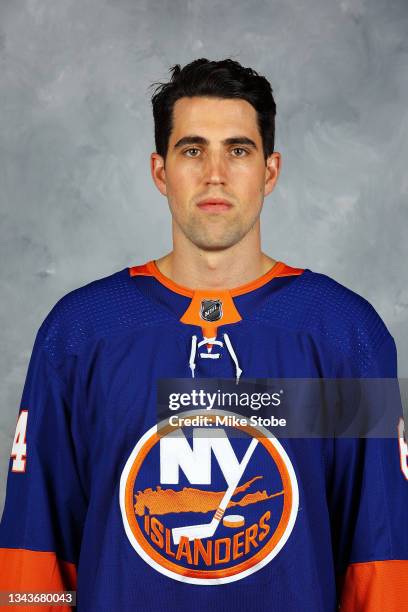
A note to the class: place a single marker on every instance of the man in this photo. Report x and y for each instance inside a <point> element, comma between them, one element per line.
<point>101,500</point>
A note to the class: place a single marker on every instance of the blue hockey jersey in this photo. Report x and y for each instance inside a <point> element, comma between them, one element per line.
<point>100,501</point>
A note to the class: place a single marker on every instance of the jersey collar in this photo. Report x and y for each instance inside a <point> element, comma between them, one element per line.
<point>150,268</point>
<point>209,309</point>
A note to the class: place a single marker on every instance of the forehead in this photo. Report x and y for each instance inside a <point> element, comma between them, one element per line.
<point>214,117</point>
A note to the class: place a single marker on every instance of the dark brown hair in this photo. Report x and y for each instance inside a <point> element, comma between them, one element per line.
<point>218,79</point>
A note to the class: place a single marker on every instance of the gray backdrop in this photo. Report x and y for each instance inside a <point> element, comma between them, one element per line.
<point>76,131</point>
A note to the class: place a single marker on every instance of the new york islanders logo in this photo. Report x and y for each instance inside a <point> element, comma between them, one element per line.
<point>208,507</point>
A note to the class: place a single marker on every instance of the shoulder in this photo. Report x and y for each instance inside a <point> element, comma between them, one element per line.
<point>335,301</point>
<point>105,306</point>
<point>320,306</point>
<point>332,305</point>
<point>350,324</point>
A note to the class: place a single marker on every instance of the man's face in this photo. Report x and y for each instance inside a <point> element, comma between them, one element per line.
<point>215,151</point>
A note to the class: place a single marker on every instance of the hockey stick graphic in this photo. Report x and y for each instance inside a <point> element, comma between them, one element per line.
<point>207,530</point>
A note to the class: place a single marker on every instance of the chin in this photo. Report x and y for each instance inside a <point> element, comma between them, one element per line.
<point>214,245</point>
<point>208,240</point>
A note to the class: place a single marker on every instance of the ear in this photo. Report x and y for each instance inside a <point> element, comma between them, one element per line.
<point>158,172</point>
<point>272,170</point>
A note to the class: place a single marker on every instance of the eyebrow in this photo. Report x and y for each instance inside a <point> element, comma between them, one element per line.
<point>233,140</point>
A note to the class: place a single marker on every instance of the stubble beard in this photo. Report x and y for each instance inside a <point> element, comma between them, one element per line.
<point>214,234</point>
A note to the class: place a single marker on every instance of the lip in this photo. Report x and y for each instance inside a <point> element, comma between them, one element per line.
<point>214,204</point>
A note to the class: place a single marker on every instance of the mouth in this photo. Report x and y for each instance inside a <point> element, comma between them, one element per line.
<point>214,205</point>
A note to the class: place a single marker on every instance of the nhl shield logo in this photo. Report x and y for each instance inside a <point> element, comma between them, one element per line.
<point>208,510</point>
<point>211,310</point>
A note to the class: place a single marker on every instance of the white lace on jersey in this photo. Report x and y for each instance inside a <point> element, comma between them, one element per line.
<point>209,355</point>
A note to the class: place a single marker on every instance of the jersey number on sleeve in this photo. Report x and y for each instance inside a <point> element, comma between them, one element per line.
<point>19,449</point>
<point>403,446</point>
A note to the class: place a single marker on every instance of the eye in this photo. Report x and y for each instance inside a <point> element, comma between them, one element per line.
<point>191,149</point>
<point>240,149</point>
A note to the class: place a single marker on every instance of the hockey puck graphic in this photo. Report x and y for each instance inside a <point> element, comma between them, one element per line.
<point>233,520</point>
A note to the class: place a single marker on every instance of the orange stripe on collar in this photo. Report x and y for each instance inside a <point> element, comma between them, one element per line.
<point>279,269</point>
<point>210,308</point>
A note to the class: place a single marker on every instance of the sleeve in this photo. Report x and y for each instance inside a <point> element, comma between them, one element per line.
<point>45,506</point>
<point>368,502</point>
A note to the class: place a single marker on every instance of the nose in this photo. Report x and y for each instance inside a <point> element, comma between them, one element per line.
<point>215,168</point>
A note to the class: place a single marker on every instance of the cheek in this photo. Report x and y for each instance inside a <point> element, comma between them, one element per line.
<point>181,178</point>
<point>249,174</point>
<point>250,183</point>
<point>180,191</point>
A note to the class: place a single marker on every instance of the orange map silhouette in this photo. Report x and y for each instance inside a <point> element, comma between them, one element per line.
<point>189,499</point>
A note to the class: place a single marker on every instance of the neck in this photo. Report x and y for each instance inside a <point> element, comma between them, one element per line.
<point>193,267</point>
